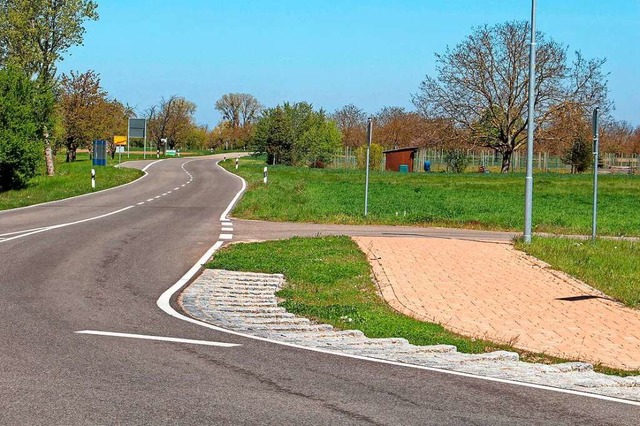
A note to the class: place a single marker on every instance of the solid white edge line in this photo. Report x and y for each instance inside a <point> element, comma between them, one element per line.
<point>144,170</point>
<point>164,304</point>
<point>223,216</point>
<point>158,338</point>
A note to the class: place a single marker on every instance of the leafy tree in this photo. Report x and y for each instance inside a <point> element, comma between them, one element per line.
<point>171,119</point>
<point>20,102</point>
<point>295,134</point>
<point>482,85</point>
<point>35,35</point>
<point>580,156</point>
<point>375,156</point>
<point>456,160</point>
<point>319,144</point>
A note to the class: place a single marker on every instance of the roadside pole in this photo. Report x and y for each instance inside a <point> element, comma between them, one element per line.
<point>528,190</point>
<point>366,184</point>
<point>596,143</point>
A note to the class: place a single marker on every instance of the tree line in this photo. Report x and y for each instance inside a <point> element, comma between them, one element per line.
<point>477,98</point>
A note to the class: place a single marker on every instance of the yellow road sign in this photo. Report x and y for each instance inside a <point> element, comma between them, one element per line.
<point>119,140</point>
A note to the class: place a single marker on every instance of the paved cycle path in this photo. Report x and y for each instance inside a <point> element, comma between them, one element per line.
<point>490,290</point>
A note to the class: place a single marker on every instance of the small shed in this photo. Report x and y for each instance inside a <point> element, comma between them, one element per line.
<point>394,158</point>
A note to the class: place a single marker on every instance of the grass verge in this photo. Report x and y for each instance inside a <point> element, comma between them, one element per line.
<point>329,281</point>
<point>70,179</point>
<point>562,203</point>
<point>611,266</point>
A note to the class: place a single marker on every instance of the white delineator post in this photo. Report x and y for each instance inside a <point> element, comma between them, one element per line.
<point>93,178</point>
<point>237,160</point>
<point>265,174</point>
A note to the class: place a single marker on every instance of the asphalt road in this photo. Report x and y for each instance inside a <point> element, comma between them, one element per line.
<point>107,274</point>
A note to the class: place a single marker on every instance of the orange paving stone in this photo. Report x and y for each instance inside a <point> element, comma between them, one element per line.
<point>492,291</point>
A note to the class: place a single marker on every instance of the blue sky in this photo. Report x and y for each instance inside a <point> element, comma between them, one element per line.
<point>330,53</point>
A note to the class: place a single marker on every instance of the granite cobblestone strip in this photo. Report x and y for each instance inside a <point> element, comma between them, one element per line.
<point>246,303</point>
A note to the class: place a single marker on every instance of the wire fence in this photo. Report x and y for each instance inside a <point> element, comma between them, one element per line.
<point>491,161</point>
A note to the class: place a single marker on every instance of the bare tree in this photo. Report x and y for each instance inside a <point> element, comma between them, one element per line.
<point>352,122</point>
<point>482,85</point>
<point>397,128</point>
<point>239,113</point>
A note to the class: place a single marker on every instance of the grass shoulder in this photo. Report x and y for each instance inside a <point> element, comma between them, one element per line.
<point>562,203</point>
<point>70,179</point>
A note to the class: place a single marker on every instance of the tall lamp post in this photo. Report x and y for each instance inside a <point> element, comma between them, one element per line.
<point>528,193</point>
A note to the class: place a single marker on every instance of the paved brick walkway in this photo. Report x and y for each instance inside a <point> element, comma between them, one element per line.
<point>490,290</point>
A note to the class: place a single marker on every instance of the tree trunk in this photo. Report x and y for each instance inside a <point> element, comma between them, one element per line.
<point>48,155</point>
<point>506,162</point>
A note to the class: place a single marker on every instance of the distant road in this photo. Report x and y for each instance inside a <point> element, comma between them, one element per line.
<point>101,262</point>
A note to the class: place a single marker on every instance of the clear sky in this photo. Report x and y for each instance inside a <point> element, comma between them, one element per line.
<point>331,53</point>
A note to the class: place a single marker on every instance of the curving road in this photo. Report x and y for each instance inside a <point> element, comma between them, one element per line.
<point>101,262</point>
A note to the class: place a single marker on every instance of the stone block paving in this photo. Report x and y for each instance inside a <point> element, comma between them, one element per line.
<point>492,291</point>
<point>246,303</point>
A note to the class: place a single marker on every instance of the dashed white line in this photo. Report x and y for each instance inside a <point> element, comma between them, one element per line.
<point>176,188</point>
<point>140,203</point>
<point>150,199</point>
<point>226,236</point>
<point>227,229</point>
<point>159,338</point>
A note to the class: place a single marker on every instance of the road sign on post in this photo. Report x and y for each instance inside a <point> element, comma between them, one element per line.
<point>138,129</point>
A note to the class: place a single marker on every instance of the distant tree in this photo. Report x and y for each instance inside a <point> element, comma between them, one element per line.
<point>352,122</point>
<point>80,99</point>
<point>397,128</point>
<point>295,134</point>
<point>376,153</point>
<point>482,84</point>
<point>35,35</point>
<point>171,119</point>
<point>20,101</point>
<point>618,137</point>
<point>239,112</point>
<point>579,156</point>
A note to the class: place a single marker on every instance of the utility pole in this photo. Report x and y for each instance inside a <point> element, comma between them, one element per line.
<point>596,140</point>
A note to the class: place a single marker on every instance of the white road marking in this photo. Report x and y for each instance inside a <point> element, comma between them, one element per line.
<point>150,164</point>
<point>140,203</point>
<point>150,199</point>
<point>21,232</point>
<point>226,236</point>
<point>159,338</point>
<point>156,197</point>
<point>164,194</point>
<point>227,229</point>
<point>63,225</point>
<point>176,188</point>
<point>163,303</point>
<point>183,185</point>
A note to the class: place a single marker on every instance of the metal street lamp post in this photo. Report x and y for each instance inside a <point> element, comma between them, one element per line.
<point>528,197</point>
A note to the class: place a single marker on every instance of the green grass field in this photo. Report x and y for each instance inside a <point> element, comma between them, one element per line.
<point>562,202</point>
<point>70,179</point>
